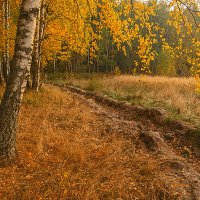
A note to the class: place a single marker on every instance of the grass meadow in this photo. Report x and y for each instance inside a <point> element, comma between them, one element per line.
<point>177,96</point>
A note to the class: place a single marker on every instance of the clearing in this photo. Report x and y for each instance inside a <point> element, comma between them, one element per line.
<point>176,96</point>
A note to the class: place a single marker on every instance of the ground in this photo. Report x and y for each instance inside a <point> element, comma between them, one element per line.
<point>77,145</point>
<point>177,96</point>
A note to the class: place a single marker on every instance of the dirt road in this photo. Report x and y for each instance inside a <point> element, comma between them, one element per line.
<point>164,145</point>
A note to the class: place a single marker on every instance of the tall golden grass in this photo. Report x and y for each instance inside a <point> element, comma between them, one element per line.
<point>176,95</point>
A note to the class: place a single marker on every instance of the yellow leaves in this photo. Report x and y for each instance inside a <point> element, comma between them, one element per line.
<point>12,28</point>
<point>136,63</point>
<point>111,19</point>
<point>77,26</point>
<point>124,50</point>
<point>70,28</point>
<point>186,43</point>
<point>172,3</point>
<point>67,29</point>
<point>145,52</point>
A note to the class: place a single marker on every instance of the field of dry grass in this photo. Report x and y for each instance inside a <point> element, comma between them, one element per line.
<point>66,151</point>
<point>175,95</point>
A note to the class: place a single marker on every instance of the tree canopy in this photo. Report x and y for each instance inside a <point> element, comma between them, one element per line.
<point>135,36</point>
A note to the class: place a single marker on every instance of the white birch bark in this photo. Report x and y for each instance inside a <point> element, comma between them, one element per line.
<point>39,36</point>
<point>10,105</point>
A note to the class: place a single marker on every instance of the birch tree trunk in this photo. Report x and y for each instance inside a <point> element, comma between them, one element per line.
<point>1,72</point>
<point>7,39</point>
<point>35,59</point>
<point>39,35</point>
<point>10,105</point>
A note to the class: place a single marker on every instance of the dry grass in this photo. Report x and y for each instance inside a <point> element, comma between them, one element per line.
<point>65,152</point>
<point>176,95</point>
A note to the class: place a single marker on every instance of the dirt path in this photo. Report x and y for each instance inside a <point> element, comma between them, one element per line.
<point>166,144</point>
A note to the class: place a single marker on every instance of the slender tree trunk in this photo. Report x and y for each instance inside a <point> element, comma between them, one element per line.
<point>88,61</point>
<point>107,56</point>
<point>35,58</point>
<point>7,39</point>
<point>29,82</point>
<point>39,35</point>
<point>54,66</point>
<point>43,15</point>
<point>1,72</point>
<point>10,105</point>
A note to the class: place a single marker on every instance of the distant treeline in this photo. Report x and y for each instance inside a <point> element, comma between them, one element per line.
<point>175,47</point>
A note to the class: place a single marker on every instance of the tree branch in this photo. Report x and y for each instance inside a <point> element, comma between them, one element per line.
<point>191,11</point>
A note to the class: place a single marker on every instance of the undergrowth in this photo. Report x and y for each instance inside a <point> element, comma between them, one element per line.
<point>66,152</point>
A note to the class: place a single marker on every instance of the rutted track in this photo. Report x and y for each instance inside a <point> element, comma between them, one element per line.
<point>149,131</point>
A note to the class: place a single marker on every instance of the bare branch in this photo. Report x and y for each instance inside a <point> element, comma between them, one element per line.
<point>191,11</point>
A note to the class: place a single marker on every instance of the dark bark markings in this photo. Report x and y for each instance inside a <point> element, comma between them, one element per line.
<point>10,104</point>
<point>39,36</point>
<point>6,58</point>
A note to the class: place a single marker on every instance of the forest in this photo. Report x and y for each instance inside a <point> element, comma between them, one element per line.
<point>99,99</point>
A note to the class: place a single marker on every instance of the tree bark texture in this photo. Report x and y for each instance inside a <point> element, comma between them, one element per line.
<point>1,72</point>
<point>10,105</point>
<point>39,35</point>
<point>7,39</point>
<point>35,59</point>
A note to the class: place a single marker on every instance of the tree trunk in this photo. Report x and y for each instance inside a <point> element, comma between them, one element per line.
<point>88,61</point>
<point>15,87</point>
<point>54,66</point>
<point>35,58</point>
<point>7,39</point>
<point>39,35</point>
<point>1,73</point>
<point>43,15</point>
